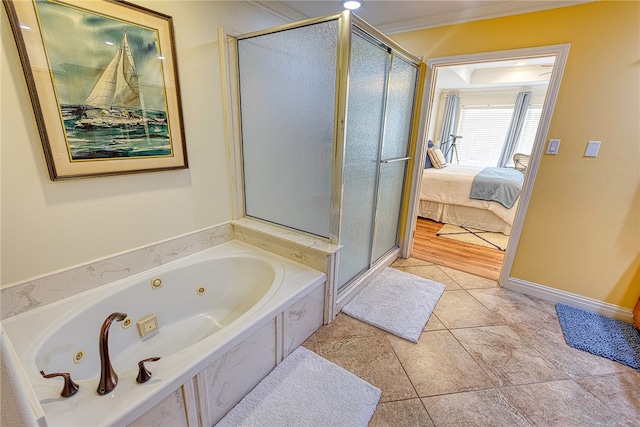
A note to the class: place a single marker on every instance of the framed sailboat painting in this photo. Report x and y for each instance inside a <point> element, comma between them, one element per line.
<point>103,83</point>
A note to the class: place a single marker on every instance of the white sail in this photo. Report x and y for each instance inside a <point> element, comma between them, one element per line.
<point>118,85</point>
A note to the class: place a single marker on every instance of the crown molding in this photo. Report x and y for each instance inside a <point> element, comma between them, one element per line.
<point>475,14</point>
<point>279,10</point>
<point>498,10</point>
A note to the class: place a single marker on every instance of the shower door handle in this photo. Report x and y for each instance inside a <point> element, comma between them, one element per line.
<point>397,159</point>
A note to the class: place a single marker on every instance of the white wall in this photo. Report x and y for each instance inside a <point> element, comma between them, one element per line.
<point>47,226</point>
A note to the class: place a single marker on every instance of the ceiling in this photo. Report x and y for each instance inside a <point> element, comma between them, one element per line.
<point>497,74</point>
<point>391,16</point>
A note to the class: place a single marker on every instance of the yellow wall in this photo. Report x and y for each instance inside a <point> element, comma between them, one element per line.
<point>582,229</point>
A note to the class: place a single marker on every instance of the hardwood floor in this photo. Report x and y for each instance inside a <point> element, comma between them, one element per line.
<point>465,257</point>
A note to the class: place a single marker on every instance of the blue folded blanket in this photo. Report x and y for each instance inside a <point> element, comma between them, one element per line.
<point>500,185</point>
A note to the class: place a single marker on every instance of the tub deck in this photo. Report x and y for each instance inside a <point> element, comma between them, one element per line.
<point>130,400</point>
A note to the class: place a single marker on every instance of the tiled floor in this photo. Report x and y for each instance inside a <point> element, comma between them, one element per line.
<point>487,357</point>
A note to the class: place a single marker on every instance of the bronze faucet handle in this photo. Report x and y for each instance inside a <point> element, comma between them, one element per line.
<point>143,373</point>
<point>70,388</point>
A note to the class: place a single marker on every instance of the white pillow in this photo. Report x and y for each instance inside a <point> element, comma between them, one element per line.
<point>436,157</point>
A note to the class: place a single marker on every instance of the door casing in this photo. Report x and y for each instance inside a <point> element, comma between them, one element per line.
<point>561,52</point>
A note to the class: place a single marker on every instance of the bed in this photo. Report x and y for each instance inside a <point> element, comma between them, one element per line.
<point>445,197</point>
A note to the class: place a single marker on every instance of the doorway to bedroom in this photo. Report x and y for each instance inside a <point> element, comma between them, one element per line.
<point>471,258</point>
<point>487,122</point>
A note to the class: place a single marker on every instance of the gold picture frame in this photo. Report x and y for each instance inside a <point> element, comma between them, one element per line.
<point>103,80</point>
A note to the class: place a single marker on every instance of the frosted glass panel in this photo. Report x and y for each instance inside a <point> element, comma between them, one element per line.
<point>397,132</point>
<point>389,202</point>
<point>367,76</point>
<point>287,97</point>
<point>402,85</point>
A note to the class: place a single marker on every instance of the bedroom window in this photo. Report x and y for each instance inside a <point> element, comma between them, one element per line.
<point>484,129</point>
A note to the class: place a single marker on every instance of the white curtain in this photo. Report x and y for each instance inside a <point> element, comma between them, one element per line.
<point>515,128</point>
<point>449,122</point>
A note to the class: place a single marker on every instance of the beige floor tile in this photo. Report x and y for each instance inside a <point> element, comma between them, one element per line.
<point>467,280</point>
<point>508,358</point>
<point>549,340</point>
<point>620,393</point>
<point>344,327</point>
<point>402,413</point>
<point>488,356</point>
<point>432,272</point>
<point>410,262</point>
<point>438,364</point>
<point>473,408</point>
<point>458,309</point>
<point>373,360</point>
<point>434,324</point>
<point>311,343</point>
<point>514,307</point>
<point>561,404</point>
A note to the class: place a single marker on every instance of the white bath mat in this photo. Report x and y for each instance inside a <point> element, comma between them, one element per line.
<point>306,390</point>
<point>396,302</point>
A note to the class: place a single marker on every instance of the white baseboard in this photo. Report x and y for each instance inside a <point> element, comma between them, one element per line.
<point>563,297</point>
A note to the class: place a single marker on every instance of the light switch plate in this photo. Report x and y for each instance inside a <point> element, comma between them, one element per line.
<point>553,147</point>
<point>592,149</point>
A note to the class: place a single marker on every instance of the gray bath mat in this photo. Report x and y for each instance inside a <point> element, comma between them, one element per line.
<point>306,390</point>
<point>600,335</point>
<point>396,302</point>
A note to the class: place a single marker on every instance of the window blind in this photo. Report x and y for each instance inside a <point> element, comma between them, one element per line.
<point>483,130</point>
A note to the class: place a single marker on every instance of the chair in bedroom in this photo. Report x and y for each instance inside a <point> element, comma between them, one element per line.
<point>521,161</point>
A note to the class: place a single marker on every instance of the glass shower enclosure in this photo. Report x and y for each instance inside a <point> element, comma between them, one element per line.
<point>326,109</point>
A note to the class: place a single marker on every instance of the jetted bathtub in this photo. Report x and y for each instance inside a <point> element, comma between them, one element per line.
<point>192,312</point>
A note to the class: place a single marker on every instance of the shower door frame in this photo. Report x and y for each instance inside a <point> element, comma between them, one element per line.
<point>347,21</point>
<point>347,25</point>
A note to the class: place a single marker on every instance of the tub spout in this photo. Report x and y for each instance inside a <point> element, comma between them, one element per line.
<point>108,377</point>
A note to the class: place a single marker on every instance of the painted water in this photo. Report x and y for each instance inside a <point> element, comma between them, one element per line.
<point>115,132</point>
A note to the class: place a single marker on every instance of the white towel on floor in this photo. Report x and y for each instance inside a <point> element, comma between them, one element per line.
<point>15,409</point>
<point>306,390</point>
<point>397,302</point>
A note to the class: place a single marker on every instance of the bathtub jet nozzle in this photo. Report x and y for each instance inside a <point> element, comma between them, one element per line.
<point>108,377</point>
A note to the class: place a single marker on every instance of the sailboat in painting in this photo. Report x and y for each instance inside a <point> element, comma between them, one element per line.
<point>116,93</point>
<point>113,122</point>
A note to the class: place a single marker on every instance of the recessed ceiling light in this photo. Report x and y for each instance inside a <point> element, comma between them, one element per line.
<point>518,64</point>
<point>352,4</point>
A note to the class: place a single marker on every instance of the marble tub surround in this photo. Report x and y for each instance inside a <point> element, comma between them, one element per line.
<point>487,356</point>
<point>303,248</point>
<point>29,294</point>
<point>297,246</point>
<point>26,295</point>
